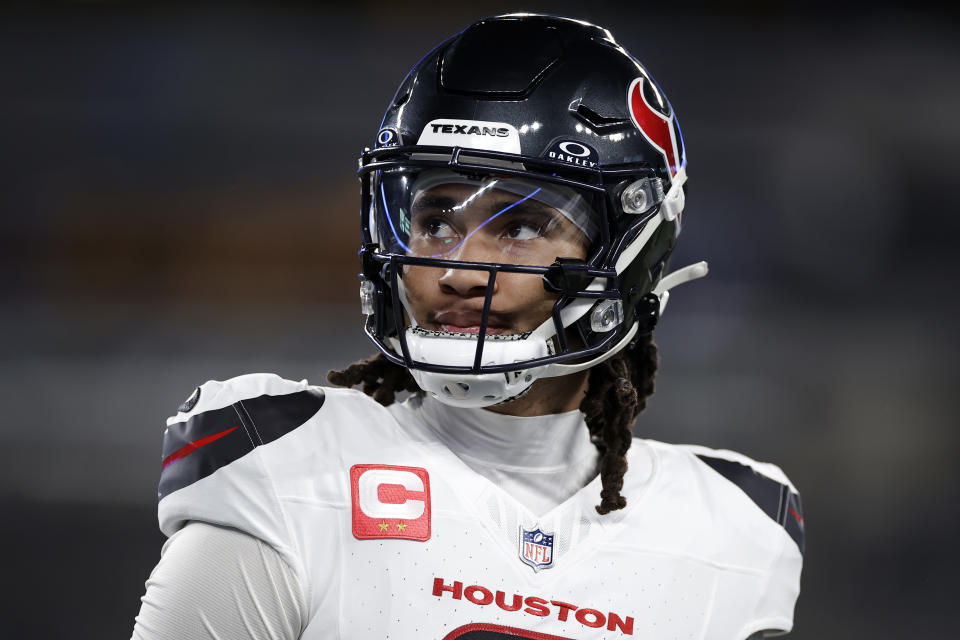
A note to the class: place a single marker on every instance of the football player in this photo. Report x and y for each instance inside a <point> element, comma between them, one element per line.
<point>519,207</point>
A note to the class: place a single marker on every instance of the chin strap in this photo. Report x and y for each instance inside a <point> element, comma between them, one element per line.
<point>558,369</point>
<point>680,276</point>
<point>674,200</point>
<point>662,291</point>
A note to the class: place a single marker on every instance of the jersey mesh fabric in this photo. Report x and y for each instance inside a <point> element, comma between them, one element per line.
<point>216,583</point>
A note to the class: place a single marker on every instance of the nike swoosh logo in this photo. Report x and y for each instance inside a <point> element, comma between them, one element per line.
<point>189,448</point>
<point>795,515</point>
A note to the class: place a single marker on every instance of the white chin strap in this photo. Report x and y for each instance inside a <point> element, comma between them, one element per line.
<point>484,390</point>
<point>674,200</point>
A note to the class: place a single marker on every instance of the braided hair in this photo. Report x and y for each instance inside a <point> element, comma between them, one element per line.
<point>616,394</point>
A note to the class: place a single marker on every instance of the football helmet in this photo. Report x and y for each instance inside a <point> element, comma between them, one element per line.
<point>526,146</point>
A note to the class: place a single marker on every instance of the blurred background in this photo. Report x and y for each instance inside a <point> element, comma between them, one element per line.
<point>179,204</point>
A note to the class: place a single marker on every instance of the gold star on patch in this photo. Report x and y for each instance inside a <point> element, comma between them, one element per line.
<point>401,526</point>
<point>383,526</point>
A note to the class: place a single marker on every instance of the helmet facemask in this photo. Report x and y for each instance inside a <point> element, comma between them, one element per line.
<point>483,274</point>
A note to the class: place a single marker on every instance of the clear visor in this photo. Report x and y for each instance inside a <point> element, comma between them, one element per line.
<point>439,213</point>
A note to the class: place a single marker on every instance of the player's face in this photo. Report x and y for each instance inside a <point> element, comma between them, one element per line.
<point>460,222</point>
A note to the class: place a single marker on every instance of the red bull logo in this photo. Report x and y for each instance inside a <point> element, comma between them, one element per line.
<point>659,129</point>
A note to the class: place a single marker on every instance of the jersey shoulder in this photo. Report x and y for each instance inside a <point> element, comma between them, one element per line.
<point>235,443</point>
<point>741,514</point>
<point>764,483</point>
<point>222,421</point>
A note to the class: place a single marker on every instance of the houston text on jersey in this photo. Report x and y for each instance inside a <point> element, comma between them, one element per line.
<point>534,606</point>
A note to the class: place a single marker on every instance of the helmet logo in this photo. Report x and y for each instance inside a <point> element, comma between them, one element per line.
<point>574,149</point>
<point>572,152</point>
<point>387,136</point>
<point>658,129</point>
<point>471,134</point>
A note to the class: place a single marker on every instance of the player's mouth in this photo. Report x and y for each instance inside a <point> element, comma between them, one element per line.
<point>475,328</point>
<point>468,322</point>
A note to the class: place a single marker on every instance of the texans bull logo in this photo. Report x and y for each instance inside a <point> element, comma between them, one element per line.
<point>660,130</point>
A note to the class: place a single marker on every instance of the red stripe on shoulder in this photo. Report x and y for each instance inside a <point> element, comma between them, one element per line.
<point>190,447</point>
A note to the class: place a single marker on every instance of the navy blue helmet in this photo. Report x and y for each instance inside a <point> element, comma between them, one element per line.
<point>528,149</point>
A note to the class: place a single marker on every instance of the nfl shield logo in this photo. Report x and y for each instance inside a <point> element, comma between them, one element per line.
<point>536,548</point>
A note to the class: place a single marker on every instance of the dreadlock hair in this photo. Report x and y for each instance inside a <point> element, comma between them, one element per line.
<point>381,378</point>
<point>617,392</point>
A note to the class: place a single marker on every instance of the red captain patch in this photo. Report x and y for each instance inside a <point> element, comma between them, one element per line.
<point>390,502</point>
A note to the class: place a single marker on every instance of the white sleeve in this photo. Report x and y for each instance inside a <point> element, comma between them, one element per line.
<point>217,583</point>
<point>774,613</point>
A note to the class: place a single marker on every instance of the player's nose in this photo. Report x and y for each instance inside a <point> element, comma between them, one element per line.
<point>469,282</point>
<point>466,282</point>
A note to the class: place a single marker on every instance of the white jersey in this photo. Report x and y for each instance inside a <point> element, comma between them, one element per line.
<point>389,534</point>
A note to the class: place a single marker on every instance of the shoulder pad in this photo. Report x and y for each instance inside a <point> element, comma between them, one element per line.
<point>223,421</point>
<point>764,483</point>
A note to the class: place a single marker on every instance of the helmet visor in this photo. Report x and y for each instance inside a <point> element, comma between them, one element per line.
<point>443,214</point>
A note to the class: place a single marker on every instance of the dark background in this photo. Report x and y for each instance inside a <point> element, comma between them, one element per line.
<point>179,204</point>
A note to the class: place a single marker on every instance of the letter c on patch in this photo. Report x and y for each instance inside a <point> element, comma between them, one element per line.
<point>368,494</point>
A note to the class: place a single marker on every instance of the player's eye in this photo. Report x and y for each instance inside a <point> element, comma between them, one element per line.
<point>528,224</point>
<point>523,231</point>
<point>438,228</point>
